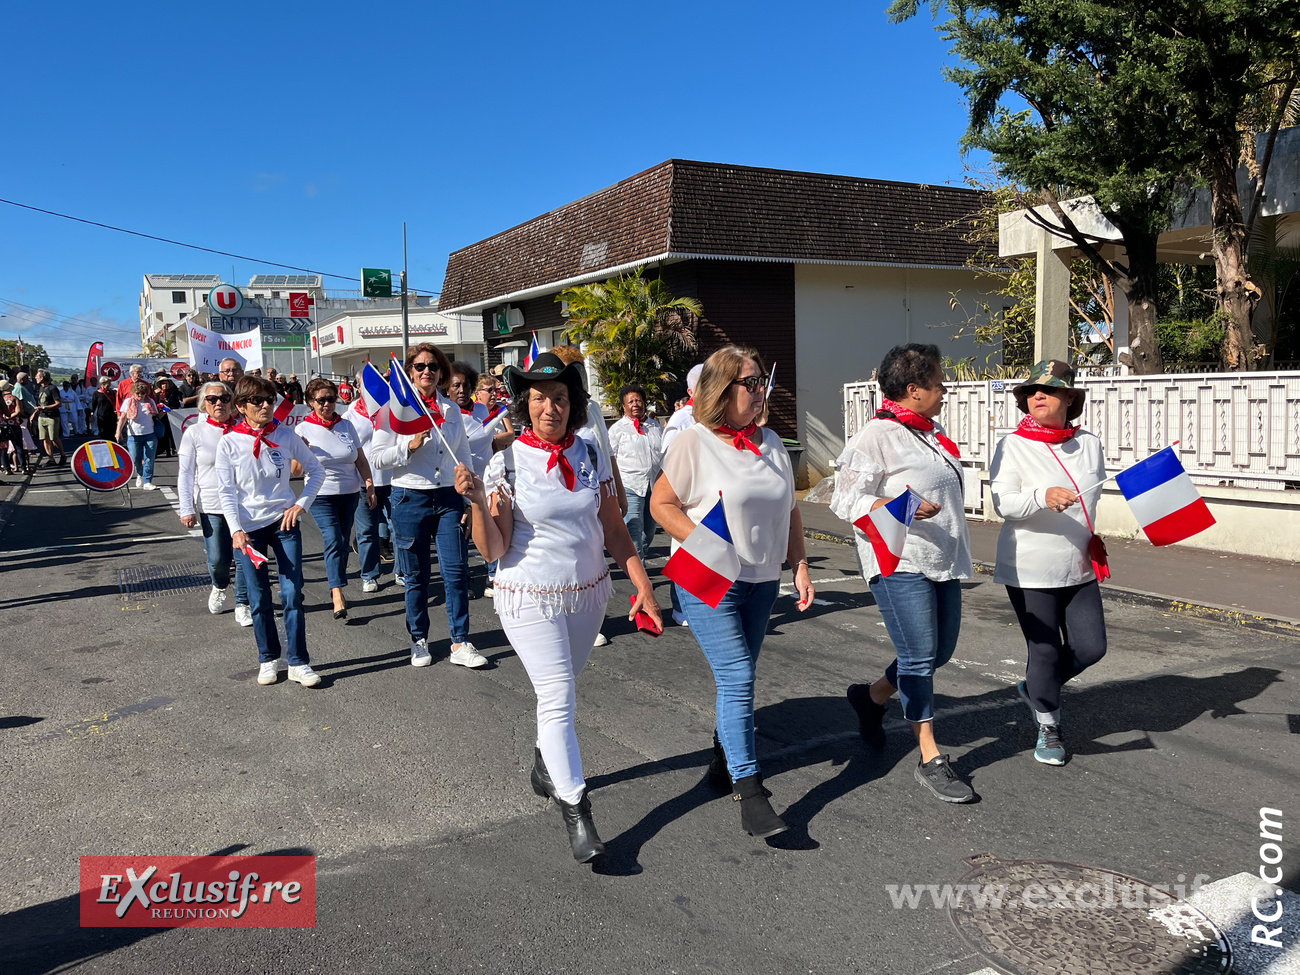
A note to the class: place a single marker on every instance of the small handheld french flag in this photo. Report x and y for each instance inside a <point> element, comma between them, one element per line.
<point>406,412</point>
<point>533,353</point>
<point>1163,498</point>
<point>375,394</point>
<point>706,563</point>
<point>887,526</point>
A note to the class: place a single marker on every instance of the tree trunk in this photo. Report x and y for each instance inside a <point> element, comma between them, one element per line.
<point>1140,286</point>
<point>1229,249</point>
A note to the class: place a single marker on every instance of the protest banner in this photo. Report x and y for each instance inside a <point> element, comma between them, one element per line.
<point>208,348</point>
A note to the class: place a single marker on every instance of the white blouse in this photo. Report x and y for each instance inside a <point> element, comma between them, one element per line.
<point>883,461</point>
<point>556,558</point>
<point>197,480</point>
<point>638,454</point>
<point>336,449</point>
<point>1039,548</point>
<point>757,493</point>
<point>678,422</point>
<point>255,491</point>
<point>430,466</point>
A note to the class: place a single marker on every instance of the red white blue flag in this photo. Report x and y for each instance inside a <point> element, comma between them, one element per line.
<point>1163,498</point>
<point>406,412</point>
<point>373,402</point>
<point>706,563</point>
<point>887,526</point>
<point>533,353</point>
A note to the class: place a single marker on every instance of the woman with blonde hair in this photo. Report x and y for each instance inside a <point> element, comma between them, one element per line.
<point>139,418</point>
<point>725,454</point>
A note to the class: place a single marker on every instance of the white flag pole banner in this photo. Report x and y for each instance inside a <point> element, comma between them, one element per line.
<point>208,348</point>
<point>182,419</point>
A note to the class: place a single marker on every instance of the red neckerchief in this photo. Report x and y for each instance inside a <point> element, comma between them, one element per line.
<point>1031,429</point>
<point>556,451</point>
<point>431,405</point>
<point>637,424</point>
<point>313,418</point>
<point>259,436</point>
<point>889,410</point>
<point>740,438</point>
<point>690,401</point>
<point>469,412</point>
<point>225,427</point>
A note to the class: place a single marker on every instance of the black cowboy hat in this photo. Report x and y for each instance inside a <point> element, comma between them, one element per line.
<point>547,367</point>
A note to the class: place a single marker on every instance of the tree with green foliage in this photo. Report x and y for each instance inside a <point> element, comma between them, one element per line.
<point>34,356</point>
<point>632,330</point>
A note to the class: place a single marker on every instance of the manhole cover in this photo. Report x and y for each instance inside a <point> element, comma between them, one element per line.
<point>1042,918</point>
<point>162,580</point>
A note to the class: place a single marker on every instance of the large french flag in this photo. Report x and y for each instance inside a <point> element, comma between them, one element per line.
<point>886,527</point>
<point>375,395</point>
<point>1163,498</point>
<point>706,563</point>
<point>533,353</point>
<point>406,412</point>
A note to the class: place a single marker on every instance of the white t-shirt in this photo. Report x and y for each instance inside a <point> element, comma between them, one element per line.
<point>197,480</point>
<point>639,454</point>
<point>679,421</point>
<point>883,461</point>
<point>479,431</point>
<point>556,558</point>
<point>757,493</point>
<point>1039,548</point>
<point>336,449</point>
<point>365,430</point>
<point>255,491</point>
<point>141,425</point>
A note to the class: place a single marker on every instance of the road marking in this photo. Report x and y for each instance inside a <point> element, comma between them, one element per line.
<point>91,727</point>
<point>120,539</point>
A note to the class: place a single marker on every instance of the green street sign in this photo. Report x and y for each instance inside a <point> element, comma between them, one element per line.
<point>502,324</point>
<point>376,282</point>
<point>284,340</point>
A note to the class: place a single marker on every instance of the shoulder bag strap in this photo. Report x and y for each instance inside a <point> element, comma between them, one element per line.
<point>1074,484</point>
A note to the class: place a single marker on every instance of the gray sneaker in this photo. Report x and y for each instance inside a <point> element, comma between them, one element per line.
<point>937,776</point>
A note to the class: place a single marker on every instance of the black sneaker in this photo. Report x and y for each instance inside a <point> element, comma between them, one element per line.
<point>937,776</point>
<point>871,715</point>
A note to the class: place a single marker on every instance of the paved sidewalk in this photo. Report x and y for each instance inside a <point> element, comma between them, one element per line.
<point>1199,579</point>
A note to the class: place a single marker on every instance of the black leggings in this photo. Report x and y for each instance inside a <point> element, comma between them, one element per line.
<point>1065,629</point>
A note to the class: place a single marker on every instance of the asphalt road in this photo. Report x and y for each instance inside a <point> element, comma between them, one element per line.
<point>410,786</point>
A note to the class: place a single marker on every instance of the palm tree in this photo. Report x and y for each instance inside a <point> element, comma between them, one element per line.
<point>163,347</point>
<point>633,331</point>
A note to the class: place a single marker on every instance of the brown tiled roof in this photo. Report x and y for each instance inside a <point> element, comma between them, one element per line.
<point>686,208</point>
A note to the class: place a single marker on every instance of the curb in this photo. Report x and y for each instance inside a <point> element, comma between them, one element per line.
<point>1200,609</point>
<point>10,504</point>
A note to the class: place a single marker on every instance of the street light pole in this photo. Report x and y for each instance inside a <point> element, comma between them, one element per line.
<point>406,322</point>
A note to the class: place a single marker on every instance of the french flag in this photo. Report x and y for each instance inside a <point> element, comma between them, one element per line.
<point>1163,498</point>
<point>706,563</point>
<point>533,353</point>
<point>887,526</point>
<point>406,412</point>
<point>375,395</point>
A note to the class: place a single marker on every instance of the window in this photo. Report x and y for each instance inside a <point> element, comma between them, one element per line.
<point>178,297</point>
<point>275,294</point>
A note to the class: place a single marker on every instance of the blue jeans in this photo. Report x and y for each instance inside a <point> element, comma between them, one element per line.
<point>333,514</point>
<point>923,619</point>
<point>639,523</point>
<point>371,527</point>
<point>286,549</point>
<point>216,543</point>
<point>142,451</point>
<point>730,637</point>
<point>419,518</point>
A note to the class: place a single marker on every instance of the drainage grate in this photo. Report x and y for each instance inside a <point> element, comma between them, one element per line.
<point>162,580</point>
<point>1053,918</point>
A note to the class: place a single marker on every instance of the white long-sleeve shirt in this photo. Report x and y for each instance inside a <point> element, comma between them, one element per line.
<point>255,491</point>
<point>639,455</point>
<point>197,480</point>
<point>365,430</point>
<point>479,432</point>
<point>883,461</point>
<point>1039,548</point>
<point>429,466</point>
<point>336,449</point>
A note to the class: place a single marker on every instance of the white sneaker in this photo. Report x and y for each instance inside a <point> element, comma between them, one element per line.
<point>139,480</point>
<point>489,591</point>
<point>369,585</point>
<point>216,600</point>
<point>420,656</point>
<point>401,583</point>
<point>243,614</point>
<point>680,620</point>
<point>266,674</point>
<point>467,656</point>
<point>304,675</point>
<point>601,640</point>
<point>150,486</point>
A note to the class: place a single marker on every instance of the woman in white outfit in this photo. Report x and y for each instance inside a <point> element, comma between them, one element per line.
<point>548,513</point>
<point>372,522</point>
<point>200,502</point>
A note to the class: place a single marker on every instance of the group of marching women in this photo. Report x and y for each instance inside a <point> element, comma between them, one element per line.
<point>541,501</point>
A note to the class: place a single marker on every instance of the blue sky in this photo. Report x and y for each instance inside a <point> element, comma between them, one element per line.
<point>306,133</point>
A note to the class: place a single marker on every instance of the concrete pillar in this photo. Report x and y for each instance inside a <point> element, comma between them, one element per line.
<point>1051,303</point>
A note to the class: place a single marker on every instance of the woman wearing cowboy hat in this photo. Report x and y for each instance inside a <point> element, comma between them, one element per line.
<point>1043,477</point>
<point>546,509</point>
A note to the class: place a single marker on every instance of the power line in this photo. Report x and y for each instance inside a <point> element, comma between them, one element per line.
<point>84,326</point>
<point>181,243</point>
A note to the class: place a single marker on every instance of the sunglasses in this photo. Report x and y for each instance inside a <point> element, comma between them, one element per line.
<point>216,399</point>
<point>751,383</point>
<point>421,366</point>
<point>327,399</point>
<point>259,401</point>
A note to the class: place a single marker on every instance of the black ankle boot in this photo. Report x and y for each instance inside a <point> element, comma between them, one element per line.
<point>757,817</point>
<point>541,779</point>
<point>582,830</point>
<point>719,777</point>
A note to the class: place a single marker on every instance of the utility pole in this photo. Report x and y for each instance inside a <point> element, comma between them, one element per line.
<point>406,322</point>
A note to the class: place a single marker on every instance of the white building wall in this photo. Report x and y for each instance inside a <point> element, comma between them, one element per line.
<point>846,319</point>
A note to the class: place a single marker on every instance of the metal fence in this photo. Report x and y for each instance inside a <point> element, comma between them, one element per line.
<point>1233,429</point>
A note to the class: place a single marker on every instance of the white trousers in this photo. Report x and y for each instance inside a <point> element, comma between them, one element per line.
<point>553,652</point>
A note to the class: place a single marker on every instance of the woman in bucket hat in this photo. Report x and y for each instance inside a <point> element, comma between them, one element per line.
<point>1049,557</point>
<point>546,509</point>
